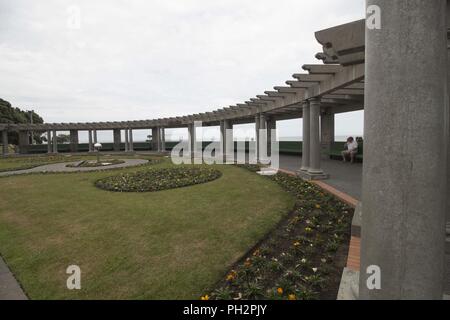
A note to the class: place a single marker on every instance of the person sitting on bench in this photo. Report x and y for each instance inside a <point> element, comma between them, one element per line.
<point>351,150</point>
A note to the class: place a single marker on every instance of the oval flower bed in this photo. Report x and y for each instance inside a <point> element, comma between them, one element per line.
<point>158,179</point>
<point>95,164</point>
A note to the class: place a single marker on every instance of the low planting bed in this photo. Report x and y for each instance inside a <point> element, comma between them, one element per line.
<point>94,163</point>
<point>159,179</point>
<point>302,258</point>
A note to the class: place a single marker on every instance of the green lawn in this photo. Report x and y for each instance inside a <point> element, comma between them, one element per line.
<point>28,162</point>
<point>162,245</point>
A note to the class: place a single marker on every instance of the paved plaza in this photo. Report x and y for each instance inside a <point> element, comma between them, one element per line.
<point>345,177</point>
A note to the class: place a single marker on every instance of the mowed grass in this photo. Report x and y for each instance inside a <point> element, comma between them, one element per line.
<point>162,245</point>
<point>27,162</point>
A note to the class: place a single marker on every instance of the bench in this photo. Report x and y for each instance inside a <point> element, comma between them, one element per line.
<point>338,147</point>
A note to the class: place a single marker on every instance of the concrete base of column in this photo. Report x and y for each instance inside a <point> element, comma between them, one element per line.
<point>305,175</point>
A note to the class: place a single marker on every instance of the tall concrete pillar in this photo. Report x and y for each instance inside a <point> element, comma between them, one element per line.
<point>24,142</point>
<point>55,142</point>
<point>192,139</point>
<point>271,125</point>
<point>257,127</point>
<point>130,142</point>
<point>159,139</point>
<point>5,143</point>
<point>404,171</point>
<point>262,146</point>
<point>95,136</point>
<point>73,140</point>
<point>228,143</point>
<point>163,139</point>
<point>314,137</point>
<point>49,142</point>
<point>117,139</point>
<point>326,134</point>
<point>155,139</point>
<point>447,241</point>
<point>127,142</point>
<point>91,145</point>
<point>306,135</point>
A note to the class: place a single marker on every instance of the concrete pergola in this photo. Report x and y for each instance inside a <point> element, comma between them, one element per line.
<point>399,75</point>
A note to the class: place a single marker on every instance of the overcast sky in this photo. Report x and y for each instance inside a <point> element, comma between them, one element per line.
<point>134,60</point>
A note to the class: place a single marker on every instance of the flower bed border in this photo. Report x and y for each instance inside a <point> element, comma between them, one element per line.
<point>226,289</point>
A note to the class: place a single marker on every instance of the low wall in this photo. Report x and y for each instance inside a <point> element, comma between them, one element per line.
<point>286,147</point>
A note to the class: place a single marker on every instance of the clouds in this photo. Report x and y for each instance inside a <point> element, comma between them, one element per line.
<point>148,59</point>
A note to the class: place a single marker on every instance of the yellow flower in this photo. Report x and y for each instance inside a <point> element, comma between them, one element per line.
<point>280,291</point>
<point>317,206</point>
<point>292,297</point>
<point>308,229</point>
<point>296,244</point>
<point>205,297</point>
<point>231,276</point>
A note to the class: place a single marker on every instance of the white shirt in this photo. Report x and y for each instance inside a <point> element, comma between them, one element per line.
<point>352,146</point>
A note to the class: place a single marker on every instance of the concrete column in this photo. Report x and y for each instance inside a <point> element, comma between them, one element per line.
<point>5,142</point>
<point>262,137</point>
<point>306,135</point>
<point>447,241</point>
<point>127,142</point>
<point>95,136</point>
<point>91,145</point>
<point>55,142</point>
<point>314,137</point>
<point>24,142</point>
<point>271,125</point>
<point>228,142</point>
<point>73,140</point>
<point>163,139</point>
<point>131,142</point>
<point>160,139</point>
<point>326,134</point>
<point>192,139</point>
<point>117,139</point>
<point>155,143</point>
<point>404,187</point>
<point>49,141</point>
<point>257,126</point>
<point>223,139</point>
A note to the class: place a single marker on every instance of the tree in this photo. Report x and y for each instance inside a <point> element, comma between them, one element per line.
<point>9,114</point>
<point>63,138</point>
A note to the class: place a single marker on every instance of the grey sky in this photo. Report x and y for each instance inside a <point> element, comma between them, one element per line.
<point>132,60</point>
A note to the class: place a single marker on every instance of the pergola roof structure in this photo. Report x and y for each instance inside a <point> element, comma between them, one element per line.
<point>339,82</point>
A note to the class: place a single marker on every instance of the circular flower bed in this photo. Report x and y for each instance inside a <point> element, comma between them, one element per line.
<point>158,179</point>
<point>95,164</point>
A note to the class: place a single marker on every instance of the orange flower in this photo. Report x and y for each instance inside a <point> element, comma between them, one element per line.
<point>292,297</point>
<point>280,291</point>
<point>248,262</point>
